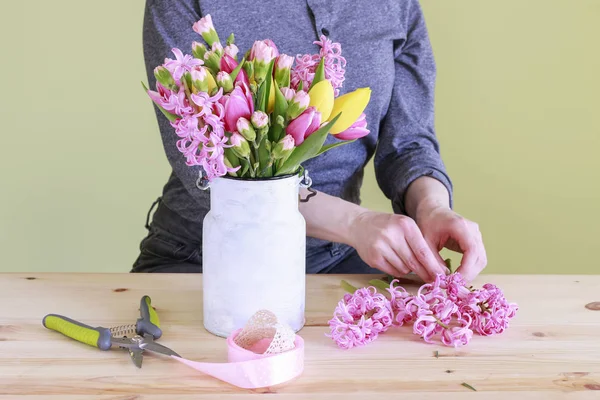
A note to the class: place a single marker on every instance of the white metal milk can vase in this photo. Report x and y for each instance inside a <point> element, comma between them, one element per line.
<point>254,252</point>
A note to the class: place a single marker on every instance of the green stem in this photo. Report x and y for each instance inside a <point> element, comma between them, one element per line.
<point>440,323</point>
<point>448,264</point>
<point>348,287</point>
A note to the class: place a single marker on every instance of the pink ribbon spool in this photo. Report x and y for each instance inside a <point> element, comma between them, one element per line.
<point>252,368</point>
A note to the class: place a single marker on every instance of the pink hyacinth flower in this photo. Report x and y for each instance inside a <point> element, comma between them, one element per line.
<point>239,104</point>
<point>359,318</point>
<point>335,64</point>
<point>356,130</point>
<point>457,336</point>
<point>303,126</point>
<point>181,64</point>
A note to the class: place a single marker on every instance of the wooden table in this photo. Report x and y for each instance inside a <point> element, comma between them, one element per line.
<point>551,350</point>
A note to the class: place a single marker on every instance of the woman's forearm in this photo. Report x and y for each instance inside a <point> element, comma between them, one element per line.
<point>329,217</point>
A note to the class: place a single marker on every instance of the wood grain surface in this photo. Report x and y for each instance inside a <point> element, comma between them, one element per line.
<point>551,350</point>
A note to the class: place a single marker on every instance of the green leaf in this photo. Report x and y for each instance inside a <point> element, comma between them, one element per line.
<point>265,88</point>
<point>300,86</point>
<point>332,146</point>
<point>468,386</point>
<point>264,158</point>
<point>308,149</point>
<point>348,287</point>
<point>233,159</point>
<point>170,117</point>
<point>245,167</point>
<point>319,73</point>
<point>378,283</point>
<point>281,105</point>
<point>230,39</point>
<point>237,69</point>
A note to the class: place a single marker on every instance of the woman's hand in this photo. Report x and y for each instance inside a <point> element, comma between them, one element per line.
<point>442,227</point>
<point>394,244</point>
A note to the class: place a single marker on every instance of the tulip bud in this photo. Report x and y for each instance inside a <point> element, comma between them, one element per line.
<point>224,81</point>
<point>245,129</point>
<point>284,147</point>
<point>232,51</point>
<point>164,77</point>
<point>206,29</point>
<point>287,93</point>
<point>282,70</point>
<point>198,50</point>
<point>200,78</point>
<point>304,126</point>
<point>298,104</point>
<point>241,148</point>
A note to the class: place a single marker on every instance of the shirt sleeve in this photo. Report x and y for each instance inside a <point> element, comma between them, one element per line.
<point>408,147</point>
<point>167,25</point>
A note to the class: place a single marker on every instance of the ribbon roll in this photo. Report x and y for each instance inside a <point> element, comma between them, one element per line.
<point>263,353</point>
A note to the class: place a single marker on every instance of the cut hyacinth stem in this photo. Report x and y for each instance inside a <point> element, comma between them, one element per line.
<point>348,287</point>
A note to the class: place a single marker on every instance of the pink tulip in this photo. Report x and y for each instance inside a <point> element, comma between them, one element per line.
<point>228,64</point>
<point>239,104</point>
<point>356,131</point>
<point>305,125</point>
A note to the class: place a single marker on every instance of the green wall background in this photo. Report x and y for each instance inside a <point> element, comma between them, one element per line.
<point>517,118</point>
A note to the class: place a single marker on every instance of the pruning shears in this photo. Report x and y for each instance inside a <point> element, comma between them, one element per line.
<point>134,337</point>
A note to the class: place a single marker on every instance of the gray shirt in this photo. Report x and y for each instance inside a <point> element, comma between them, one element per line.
<point>387,48</point>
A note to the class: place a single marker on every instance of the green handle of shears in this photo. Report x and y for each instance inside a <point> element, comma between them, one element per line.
<point>149,322</point>
<point>97,337</point>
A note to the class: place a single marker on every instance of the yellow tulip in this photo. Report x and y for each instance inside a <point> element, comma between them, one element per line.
<point>321,98</point>
<point>351,105</point>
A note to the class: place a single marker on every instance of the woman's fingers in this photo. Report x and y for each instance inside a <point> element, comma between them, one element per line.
<point>421,252</point>
<point>395,261</point>
<point>474,260</point>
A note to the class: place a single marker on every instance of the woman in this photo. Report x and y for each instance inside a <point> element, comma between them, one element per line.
<point>386,48</point>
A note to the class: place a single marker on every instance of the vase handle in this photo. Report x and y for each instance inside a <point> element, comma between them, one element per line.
<point>202,182</point>
<point>306,182</point>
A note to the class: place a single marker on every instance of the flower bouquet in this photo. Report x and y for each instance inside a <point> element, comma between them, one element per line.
<point>258,116</point>
<point>250,122</point>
